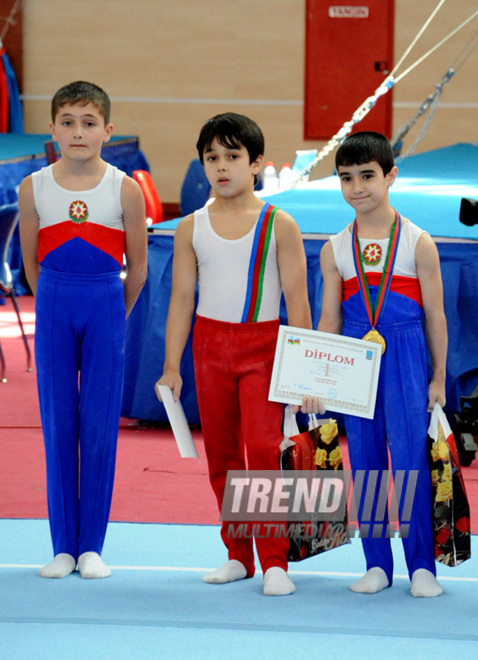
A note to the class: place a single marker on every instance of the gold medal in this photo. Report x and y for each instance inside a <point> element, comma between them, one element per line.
<point>376,337</point>
<point>374,309</point>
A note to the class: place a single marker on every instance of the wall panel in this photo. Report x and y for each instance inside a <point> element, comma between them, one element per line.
<point>169,66</point>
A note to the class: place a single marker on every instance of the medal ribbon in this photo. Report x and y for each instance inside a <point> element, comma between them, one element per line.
<point>374,312</point>
<point>257,264</point>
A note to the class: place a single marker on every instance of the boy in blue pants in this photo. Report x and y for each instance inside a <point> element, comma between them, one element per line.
<point>410,317</point>
<point>78,217</point>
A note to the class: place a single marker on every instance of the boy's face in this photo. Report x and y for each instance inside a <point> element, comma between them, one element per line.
<point>365,187</point>
<point>80,131</point>
<point>228,169</point>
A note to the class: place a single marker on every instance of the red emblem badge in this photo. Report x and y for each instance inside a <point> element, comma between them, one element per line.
<point>78,211</point>
<point>372,254</point>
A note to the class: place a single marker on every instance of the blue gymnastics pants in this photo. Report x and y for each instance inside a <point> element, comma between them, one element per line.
<point>400,426</point>
<point>79,352</point>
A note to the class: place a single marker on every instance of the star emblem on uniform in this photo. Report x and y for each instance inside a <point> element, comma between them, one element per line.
<point>372,254</point>
<point>78,211</point>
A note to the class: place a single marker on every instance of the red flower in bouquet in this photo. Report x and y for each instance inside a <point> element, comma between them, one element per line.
<point>463,524</point>
<point>442,537</point>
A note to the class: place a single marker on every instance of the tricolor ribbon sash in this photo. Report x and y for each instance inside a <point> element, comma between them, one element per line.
<point>257,264</point>
<point>374,311</point>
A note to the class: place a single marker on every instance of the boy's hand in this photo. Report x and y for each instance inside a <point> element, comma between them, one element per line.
<point>174,381</point>
<point>311,405</point>
<point>436,393</point>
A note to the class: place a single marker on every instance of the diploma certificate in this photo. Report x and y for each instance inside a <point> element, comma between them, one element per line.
<point>341,371</point>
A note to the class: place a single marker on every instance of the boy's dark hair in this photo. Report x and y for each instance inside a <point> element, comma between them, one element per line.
<point>364,147</point>
<point>231,130</point>
<point>81,92</point>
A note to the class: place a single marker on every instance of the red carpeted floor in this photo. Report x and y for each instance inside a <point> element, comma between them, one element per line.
<point>152,484</point>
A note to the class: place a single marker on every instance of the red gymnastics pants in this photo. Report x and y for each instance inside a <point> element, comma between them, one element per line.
<point>233,366</point>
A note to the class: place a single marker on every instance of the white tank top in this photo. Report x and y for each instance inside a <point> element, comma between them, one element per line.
<point>374,252</point>
<point>100,205</point>
<point>223,267</point>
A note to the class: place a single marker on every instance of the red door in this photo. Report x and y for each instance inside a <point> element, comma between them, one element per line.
<point>348,54</point>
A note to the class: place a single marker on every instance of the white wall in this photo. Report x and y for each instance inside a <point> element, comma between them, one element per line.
<point>169,66</point>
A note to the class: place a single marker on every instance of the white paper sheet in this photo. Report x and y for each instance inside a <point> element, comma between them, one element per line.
<point>178,421</point>
<point>341,371</point>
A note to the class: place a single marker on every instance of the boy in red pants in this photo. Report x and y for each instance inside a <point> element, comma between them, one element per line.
<point>245,254</point>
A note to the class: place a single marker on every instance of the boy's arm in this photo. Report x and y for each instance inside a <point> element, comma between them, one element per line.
<point>181,305</point>
<point>429,275</point>
<point>29,228</point>
<point>136,241</point>
<point>293,270</point>
<point>331,313</point>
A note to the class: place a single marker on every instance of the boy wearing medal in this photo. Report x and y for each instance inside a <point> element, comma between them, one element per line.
<point>382,283</point>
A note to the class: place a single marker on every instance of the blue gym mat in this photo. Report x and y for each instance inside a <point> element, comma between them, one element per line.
<point>155,604</point>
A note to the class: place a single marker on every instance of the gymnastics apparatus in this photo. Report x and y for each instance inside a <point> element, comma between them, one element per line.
<point>430,103</point>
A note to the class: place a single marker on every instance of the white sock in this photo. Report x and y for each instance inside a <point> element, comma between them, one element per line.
<point>62,565</point>
<point>91,566</point>
<point>374,580</point>
<point>231,571</point>
<point>277,582</point>
<point>425,584</point>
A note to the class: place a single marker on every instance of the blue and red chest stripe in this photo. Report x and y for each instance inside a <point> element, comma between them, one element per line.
<point>108,240</point>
